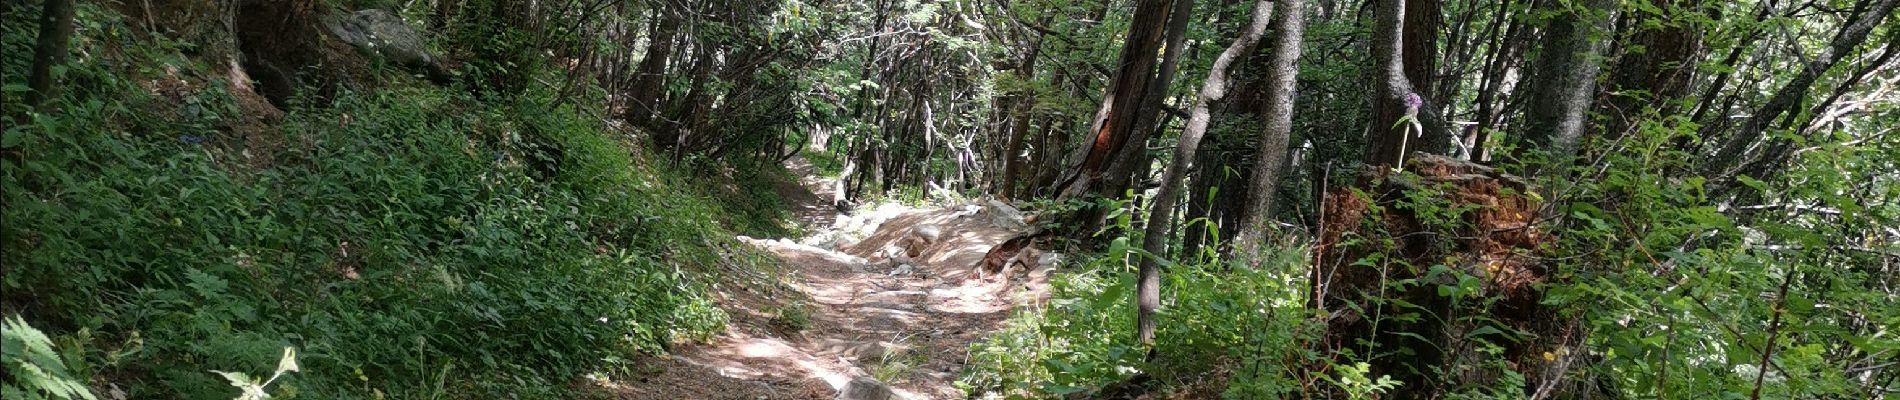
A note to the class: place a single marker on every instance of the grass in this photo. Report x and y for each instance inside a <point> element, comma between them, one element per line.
<point>792,317</point>
<point>893,365</point>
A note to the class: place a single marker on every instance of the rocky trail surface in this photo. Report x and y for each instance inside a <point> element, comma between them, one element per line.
<point>882,303</point>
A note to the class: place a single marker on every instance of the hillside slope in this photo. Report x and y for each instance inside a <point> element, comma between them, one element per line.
<point>163,220</point>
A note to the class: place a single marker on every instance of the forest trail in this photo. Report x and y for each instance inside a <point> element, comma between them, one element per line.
<point>853,310</point>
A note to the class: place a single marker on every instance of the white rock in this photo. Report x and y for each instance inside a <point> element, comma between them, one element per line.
<point>865,388</point>
<point>1005,216</point>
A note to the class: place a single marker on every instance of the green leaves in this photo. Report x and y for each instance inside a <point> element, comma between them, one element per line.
<point>1752,183</point>
<point>1466,284</point>
<point>1355,381</point>
<point>252,389</point>
<point>38,371</point>
<point>390,216</point>
<point>1082,340</point>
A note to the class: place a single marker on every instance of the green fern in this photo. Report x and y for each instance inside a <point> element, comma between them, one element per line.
<point>38,372</point>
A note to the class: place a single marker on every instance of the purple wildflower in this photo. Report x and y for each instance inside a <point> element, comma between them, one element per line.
<point>1412,102</point>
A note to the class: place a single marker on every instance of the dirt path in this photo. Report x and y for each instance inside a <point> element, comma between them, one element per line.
<point>853,312</point>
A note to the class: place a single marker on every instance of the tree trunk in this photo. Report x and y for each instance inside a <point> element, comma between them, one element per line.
<point>1422,18</point>
<point>1394,96</point>
<point>1055,138</point>
<point>1457,58</point>
<point>56,30</point>
<point>1283,69</point>
<point>1504,52</point>
<point>1135,150</point>
<point>1562,82</point>
<point>649,78</point>
<point>1658,74</point>
<point>690,109</point>
<point>1012,158</point>
<point>1160,217</point>
<point>1125,93</point>
<point>1723,166</point>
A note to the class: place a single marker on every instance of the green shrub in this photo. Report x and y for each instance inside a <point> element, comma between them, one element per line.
<point>1084,337</point>
<point>412,242</point>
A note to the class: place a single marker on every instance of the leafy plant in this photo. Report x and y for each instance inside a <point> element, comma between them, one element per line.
<point>1354,381</point>
<point>38,371</point>
<point>793,317</point>
<point>1211,311</point>
<point>253,389</point>
<point>392,237</point>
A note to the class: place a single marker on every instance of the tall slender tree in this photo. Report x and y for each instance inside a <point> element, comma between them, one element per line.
<point>1019,118</point>
<point>649,77</point>
<point>1270,153</point>
<point>1161,214</point>
<point>1133,155</point>
<point>1420,43</point>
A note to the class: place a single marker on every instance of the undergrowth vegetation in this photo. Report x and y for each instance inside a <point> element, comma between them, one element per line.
<point>414,242</point>
<point>1243,318</point>
<point>1680,298</point>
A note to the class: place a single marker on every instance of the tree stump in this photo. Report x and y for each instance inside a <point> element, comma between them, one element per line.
<point>1433,276</point>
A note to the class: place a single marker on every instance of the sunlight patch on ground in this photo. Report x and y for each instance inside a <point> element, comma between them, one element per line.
<point>865,307</point>
<point>765,358</point>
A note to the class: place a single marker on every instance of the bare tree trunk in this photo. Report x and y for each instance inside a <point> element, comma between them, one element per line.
<point>1134,150</point>
<point>1394,96</point>
<point>1456,60</point>
<point>1012,158</point>
<point>649,78</point>
<point>1282,68</point>
<point>1161,216</point>
<point>1054,140</point>
<point>1125,93</point>
<point>1422,19</point>
<point>1504,52</point>
<point>690,108</point>
<point>56,30</point>
<point>1562,83</point>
